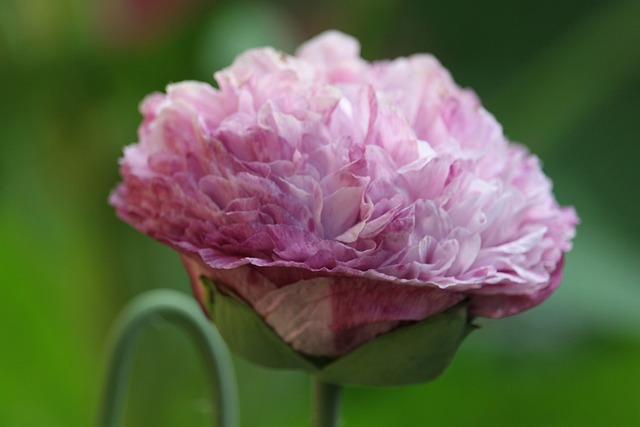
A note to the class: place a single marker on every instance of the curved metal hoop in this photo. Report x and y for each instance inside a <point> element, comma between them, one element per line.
<point>184,311</point>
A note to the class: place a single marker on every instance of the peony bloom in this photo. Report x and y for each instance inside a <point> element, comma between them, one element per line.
<point>340,198</point>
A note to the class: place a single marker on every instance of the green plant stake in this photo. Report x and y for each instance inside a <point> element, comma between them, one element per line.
<point>184,311</point>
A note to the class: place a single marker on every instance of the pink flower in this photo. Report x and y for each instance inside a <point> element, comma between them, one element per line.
<point>341,198</point>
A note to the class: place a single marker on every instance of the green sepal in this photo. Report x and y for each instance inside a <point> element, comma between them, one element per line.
<point>248,335</point>
<point>410,354</point>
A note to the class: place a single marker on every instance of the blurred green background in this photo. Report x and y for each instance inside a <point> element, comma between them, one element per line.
<point>562,76</point>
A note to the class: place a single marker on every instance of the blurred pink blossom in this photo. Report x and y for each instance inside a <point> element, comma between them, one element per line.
<point>340,198</point>
<point>127,23</point>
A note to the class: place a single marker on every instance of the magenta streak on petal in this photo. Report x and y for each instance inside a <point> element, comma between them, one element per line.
<point>379,306</point>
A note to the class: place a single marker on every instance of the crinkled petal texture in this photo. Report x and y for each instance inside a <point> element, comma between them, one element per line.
<point>340,198</point>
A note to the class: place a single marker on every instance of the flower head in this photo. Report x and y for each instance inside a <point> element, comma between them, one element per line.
<point>341,198</point>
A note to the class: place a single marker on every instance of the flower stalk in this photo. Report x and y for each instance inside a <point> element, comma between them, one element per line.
<point>183,311</point>
<point>326,404</point>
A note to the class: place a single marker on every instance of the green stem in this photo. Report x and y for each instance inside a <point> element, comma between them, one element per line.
<point>326,404</point>
<point>184,311</point>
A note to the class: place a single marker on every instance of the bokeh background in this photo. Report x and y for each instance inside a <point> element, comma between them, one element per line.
<point>562,76</point>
